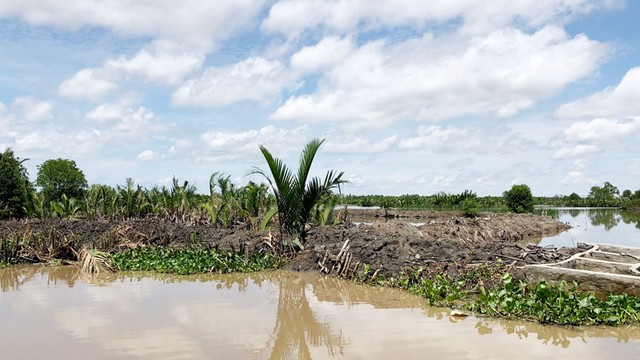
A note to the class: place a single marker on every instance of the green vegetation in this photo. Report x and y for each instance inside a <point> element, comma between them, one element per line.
<point>560,304</point>
<point>439,201</point>
<point>60,178</point>
<point>599,196</point>
<point>296,197</point>
<point>192,260</point>
<point>510,298</point>
<point>519,199</point>
<point>606,195</point>
<point>14,186</point>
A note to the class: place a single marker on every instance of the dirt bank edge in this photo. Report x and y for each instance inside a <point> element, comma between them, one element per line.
<point>389,241</point>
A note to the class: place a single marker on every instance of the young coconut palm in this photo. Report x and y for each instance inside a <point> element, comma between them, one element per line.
<point>295,196</point>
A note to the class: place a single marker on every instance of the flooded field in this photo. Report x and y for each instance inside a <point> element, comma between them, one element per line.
<point>57,313</point>
<point>610,226</point>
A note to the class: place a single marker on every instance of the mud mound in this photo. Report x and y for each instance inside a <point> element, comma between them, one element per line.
<point>391,243</point>
<point>107,235</point>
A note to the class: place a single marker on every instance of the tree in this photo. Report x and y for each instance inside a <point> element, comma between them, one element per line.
<point>519,199</point>
<point>15,187</point>
<point>57,177</point>
<point>574,200</point>
<point>295,196</point>
<point>607,195</point>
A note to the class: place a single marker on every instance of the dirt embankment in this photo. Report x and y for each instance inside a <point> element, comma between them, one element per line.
<point>389,241</point>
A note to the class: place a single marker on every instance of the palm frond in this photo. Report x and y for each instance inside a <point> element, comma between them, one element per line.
<point>306,159</point>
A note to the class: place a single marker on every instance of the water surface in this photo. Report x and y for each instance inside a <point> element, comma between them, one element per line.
<point>57,313</point>
<point>610,226</point>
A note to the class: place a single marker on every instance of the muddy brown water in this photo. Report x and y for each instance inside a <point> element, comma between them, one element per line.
<point>58,313</point>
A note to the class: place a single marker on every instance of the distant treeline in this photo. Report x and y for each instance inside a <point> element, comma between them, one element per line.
<point>599,196</point>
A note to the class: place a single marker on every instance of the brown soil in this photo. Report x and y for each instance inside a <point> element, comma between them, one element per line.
<point>389,241</point>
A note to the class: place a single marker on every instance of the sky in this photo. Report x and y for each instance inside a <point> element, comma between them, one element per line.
<point>411,96</point>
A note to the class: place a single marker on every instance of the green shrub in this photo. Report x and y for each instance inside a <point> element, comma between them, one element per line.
<point>519,199</point>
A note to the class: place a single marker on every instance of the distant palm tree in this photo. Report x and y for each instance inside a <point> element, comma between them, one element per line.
<point>295,196</point>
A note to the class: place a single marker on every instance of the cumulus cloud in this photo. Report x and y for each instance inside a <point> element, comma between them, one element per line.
<point>449,140</point>
<point>256,79</point>
<point>226,146</point>
<point>621,100</point>
<point>162,62</point>
<point>586,137</point>
<point>29,109</point>
<point>22,123</point>
<point>192,22</point>
<point>431,78</point>
<point>180,145</point>
<point>576,151</point>
<point>577,173</point>
<point>291,17</point>
<point>602,130</point>
<point>149,155</point>
<point>323,55</point>
<point>112,110</point>
<point>354,144</point>
<point>87,83</point>
<point>180,33</point>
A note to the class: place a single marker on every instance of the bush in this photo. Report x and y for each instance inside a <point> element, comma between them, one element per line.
<point>470,207</point>
<point>519,199</point>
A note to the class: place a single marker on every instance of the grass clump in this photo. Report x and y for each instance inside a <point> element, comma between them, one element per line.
<point>185,261</point>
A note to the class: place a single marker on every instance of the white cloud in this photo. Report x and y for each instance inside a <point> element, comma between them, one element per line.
<point>149,155</point>
<point>256,79</point>
<point>588,137</point>
<point>431,78</point>
<point>39,140</point>
<point>113,110</point>
<point>577,150</point>
<point>323,55</point>
<point>602,130</point>
<point>621,100</point>
<point>180,145</point>
<point>87,83</point>
<point>448,140</point>
<point>353,144</point>
<point>577,173</point>
<point>192,22</point>
<point>134,124</point>
<point>291,17</point>
<point>161,62</point>
<point>180,33</point>
<point>225,146</point>
<point>29,109</point>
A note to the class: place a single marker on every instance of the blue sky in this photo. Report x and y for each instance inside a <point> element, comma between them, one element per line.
<point>411,96</point>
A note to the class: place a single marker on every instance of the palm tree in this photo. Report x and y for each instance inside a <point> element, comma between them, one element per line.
<point>295,196</point>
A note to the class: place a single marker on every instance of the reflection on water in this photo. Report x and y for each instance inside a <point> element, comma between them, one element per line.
<point>611,226</point>
<point>269,315</point>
